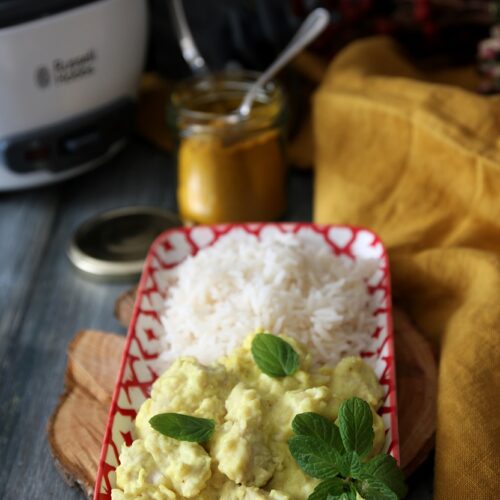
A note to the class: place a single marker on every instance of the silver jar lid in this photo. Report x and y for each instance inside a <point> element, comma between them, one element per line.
<point>114,244</point>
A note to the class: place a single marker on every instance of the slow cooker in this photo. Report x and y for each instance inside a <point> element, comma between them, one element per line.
<point>69,71</point>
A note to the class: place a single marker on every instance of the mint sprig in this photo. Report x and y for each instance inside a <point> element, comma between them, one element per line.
<point>315,425</point>
<point>337,455</point>
<point>183,427</point>
<point>350,465</point>
<point>385,468</point>
<point>329,487</point>
<point>314,456</point>
<point>274,356</point>
<point>356,426</point>
<point>374,489</point>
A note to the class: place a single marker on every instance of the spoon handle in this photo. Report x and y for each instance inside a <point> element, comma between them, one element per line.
<point>312,26</point>
<point>189,50</point>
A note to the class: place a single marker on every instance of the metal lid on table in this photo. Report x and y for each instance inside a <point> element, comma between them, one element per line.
<point>114,244</point>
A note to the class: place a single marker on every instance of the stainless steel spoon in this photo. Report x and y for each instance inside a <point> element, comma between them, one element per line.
<point>189,50</point>
<point>309,30</point>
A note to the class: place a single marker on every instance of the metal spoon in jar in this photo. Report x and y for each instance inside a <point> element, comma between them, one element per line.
<point>309,30</point>
<point>189,50</point>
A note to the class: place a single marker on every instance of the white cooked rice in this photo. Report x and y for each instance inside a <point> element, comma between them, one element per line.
<point>285,284</point>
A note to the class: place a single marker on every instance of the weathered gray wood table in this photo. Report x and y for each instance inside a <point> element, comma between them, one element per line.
<point>43,302</point>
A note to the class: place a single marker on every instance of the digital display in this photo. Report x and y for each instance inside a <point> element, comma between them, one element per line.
<point>37,153</point>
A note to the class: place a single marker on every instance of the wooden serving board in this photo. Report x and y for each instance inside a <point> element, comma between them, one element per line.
<point>77,425</point>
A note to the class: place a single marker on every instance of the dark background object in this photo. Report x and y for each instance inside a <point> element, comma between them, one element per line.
<point>245,32</point>
<point>250,33</point>
<point>13,12</point>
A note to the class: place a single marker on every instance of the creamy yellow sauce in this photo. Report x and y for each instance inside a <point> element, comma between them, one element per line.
<point>247,456</point>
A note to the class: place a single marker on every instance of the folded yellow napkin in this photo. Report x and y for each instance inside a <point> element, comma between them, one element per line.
<point>419,163</point>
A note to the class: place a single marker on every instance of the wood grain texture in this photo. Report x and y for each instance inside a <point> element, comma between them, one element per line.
<point>93,360</point>
<point>416,373</point>
<point>76,428</point>
<point>124,306</point>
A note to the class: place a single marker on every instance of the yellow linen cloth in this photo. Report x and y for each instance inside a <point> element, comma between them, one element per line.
<point>419,163</point>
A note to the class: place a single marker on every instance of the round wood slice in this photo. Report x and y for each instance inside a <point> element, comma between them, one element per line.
<point>416,379</point>
<point>124,306</point>
<point>77,425</point>
<point>76,428</point>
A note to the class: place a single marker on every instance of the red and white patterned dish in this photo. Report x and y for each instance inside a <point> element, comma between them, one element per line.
<point>137,371</point>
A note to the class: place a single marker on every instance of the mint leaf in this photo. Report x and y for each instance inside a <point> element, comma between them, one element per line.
<point>315,425</point>
<point>356,426</point>
<point>333,489</point>
<point>347,495</point>
<point>350,465</point>
<point>335,454</point>
<point>373,489</point>
<point>313,456</point>
<point>385,468</point>
<point>329,488</point>
<point>274,356</point>
<point>183,427</point>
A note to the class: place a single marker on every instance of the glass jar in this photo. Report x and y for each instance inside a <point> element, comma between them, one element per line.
<point>229,172</point>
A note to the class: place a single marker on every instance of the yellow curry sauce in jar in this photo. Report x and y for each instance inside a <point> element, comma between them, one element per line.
<point>229,172</point>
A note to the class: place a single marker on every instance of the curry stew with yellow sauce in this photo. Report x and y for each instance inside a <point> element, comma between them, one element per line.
<point>247,456</point>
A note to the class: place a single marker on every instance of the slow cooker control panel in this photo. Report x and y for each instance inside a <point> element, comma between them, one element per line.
<point>69,144</point>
